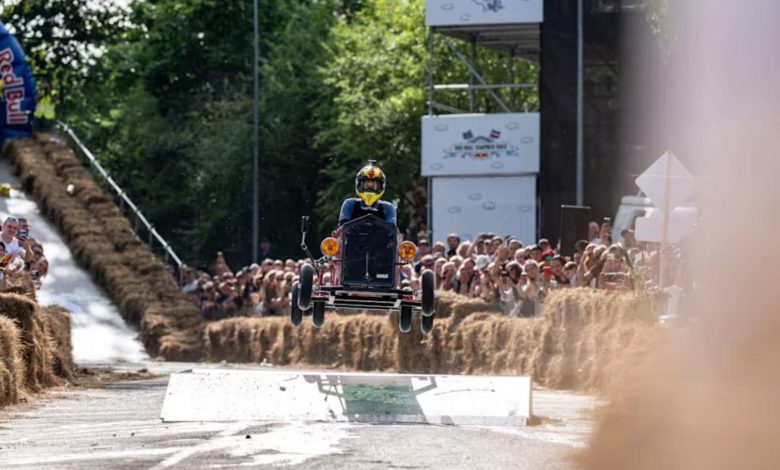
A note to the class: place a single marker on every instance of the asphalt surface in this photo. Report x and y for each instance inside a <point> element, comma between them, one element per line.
<point>119,427</point>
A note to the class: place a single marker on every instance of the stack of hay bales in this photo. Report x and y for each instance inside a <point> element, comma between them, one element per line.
<point>104,243</point>
<point>35,347</point>
<point>579,341</point>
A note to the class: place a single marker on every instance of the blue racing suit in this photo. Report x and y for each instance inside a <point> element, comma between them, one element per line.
<point>354,208</point>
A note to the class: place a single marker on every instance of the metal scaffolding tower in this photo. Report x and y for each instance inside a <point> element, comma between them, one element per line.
<point>480,139</point>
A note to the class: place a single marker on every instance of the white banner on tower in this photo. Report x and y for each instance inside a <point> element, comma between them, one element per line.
<point>482,12</point>
<point>480,144</point>
<point>505,205</point>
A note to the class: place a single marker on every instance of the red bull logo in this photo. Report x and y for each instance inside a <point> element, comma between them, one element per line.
<point>13,89</point>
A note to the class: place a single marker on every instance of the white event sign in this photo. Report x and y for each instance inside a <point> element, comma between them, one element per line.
<point>480,144</point>
<point>505,205</point>
<point>482,12</point>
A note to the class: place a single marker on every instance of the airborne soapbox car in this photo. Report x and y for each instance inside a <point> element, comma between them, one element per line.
<point>361,270</point>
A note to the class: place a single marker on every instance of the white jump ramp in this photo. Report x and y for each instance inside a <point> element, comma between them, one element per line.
<point>282,395</point>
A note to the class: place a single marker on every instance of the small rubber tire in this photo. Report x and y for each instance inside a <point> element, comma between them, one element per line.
<point>405,319</point>
<point>426,325</point>
<point>296,315</point>
<point>428,308</point>
<point>306,286</point>
<point>318,314</point>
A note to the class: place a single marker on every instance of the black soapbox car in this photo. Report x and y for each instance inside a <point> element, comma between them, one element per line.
<point>361,270</point>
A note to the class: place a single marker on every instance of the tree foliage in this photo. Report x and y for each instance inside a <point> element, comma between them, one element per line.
<point>166,104</point>
<point>64,39</point>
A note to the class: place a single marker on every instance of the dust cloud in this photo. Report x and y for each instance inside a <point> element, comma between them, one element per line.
<point>709,396</point>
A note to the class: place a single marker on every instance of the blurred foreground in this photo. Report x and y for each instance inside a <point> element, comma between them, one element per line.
<point>707,397</point>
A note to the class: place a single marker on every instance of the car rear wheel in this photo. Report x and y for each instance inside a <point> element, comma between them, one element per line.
<point>318,314</point>
<point>427,324</point>
<point>306,286</point>
<point>296,315</point>
<point>427,293</point>
<point>405,319</point>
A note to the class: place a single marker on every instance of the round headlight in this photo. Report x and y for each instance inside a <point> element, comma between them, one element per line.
<point>329,246</point>
<point>407,250</point>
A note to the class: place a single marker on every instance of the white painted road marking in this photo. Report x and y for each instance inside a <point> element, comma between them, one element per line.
<point>212,444</point>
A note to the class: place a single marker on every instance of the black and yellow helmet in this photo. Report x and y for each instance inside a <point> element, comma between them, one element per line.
<point>370,183</point>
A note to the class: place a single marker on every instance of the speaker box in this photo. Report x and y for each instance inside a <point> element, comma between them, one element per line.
<point>574,227</point>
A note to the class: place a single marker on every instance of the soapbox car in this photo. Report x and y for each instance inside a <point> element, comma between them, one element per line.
<point>361,270</point>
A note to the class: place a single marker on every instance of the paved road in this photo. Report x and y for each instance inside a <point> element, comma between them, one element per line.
<point>119,427</point>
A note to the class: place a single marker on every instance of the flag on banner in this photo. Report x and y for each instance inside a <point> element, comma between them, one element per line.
<point>468,135</point>
<point>494,134</point>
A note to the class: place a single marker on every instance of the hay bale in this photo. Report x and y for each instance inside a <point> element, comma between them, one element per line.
<point>162,336</point>
<point>104,209</point>
<point>21,283</point>
<point>36,343</point>
<point>11,368</point>
<point>579,341</point>
<point>57,323</point>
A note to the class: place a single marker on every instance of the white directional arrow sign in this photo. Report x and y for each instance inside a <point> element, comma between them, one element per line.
<point>653,182</point>
<point>668,184</point>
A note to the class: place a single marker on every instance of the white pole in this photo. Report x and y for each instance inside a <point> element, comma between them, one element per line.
<point>665,221</point>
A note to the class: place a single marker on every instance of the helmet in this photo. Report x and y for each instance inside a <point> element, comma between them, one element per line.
<point>370,183</point>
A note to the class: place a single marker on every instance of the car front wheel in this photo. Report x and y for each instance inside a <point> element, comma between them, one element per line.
<point>405,319</point>
<point>427,293</point>
<point>318,314</point>
<point>296,315</point>
<point>306,286</point>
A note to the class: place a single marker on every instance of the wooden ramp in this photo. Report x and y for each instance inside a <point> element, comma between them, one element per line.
<point>282,395</point>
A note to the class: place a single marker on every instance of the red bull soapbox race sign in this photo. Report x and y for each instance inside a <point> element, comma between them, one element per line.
<point>487,144</point>
<point>17,98</point>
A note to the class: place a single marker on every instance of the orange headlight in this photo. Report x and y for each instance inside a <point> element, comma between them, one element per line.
<point>329,246</point>
<point>407,250</point>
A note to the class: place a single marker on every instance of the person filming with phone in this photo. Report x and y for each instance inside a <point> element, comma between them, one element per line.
<point>14,252</point>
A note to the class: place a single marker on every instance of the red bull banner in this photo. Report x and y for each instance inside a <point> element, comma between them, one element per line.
<point>17,89</point>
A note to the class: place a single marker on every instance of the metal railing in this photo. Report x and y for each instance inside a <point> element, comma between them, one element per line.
<point>124,199</point>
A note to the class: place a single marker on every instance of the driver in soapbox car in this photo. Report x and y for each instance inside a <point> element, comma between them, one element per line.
<point>361,264</point>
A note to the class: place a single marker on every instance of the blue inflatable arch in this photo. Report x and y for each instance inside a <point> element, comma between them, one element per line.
<point>17,89</point>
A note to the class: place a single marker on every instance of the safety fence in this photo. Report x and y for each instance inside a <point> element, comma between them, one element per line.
<point>140,222</point>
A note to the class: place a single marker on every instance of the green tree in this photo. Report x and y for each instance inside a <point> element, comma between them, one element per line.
<point>63,39</point>
<point>377,77</point>
<point>176,131</point>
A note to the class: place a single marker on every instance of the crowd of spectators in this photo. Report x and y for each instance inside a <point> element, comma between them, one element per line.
<point>257,290</point>
<point>517,277</point>
<point>20,252</point>
<point>503,271</point>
